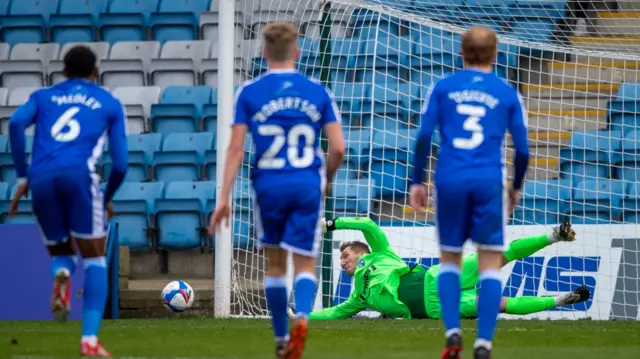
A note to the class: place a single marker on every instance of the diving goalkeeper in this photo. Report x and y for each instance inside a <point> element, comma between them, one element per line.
<point>387,284</point>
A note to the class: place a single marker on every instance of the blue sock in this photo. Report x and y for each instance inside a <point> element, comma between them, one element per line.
<point>449,294</point>
<point>67,262</point>
<point>489,297</point>
<point>275,289</point>
<point>94,298</point>
<point>305,292</point>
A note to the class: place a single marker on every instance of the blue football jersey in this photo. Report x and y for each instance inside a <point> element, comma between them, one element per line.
<point>473,110</point>
<point>285,112</point>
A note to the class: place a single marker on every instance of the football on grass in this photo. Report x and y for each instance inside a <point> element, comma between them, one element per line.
<point>177,296</point>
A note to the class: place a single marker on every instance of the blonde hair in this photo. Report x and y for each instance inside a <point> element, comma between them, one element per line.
<point>281,41</point>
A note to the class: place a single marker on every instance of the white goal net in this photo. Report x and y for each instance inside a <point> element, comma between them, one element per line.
<point>576,64</point>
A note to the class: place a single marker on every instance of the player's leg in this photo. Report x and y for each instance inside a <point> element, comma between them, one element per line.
<point>302,237</point>
<point>528,305</point>
<point>270,218</point>
<point>84,202</point>
<point>527,246</point>
<point>489,214</point>
<point>452,221</point>
<point>54,225</point>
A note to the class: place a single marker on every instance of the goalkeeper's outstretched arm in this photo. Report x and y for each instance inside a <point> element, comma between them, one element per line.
<point>372,233</point>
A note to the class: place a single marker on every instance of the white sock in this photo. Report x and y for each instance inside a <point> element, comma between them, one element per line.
<point>560,300</point>
<point>482,343</point>
<point>552,239</point>
<point>452,331</point>
<point>90,339</point>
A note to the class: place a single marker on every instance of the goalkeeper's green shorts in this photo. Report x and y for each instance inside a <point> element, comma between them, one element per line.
<point>418,290</point>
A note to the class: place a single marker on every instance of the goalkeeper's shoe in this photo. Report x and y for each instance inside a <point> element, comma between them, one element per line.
<point>564,232</point>
<point>94,351</point>
<point>482,353</point>
<point>61,297</point>
<point>581,294</point>
<point>453,348</point>
<point>297,340</point>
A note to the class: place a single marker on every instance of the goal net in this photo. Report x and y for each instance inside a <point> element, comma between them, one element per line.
<point>576,64</point>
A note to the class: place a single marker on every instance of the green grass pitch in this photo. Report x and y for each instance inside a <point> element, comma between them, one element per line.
<point>366,339</point>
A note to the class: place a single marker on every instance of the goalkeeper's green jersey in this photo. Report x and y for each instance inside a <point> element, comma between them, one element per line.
<point>376,278</point>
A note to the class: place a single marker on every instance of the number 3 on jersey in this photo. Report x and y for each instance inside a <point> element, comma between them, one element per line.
<point>475,113</point>
<point>66,121</point>
<point>291,140</point>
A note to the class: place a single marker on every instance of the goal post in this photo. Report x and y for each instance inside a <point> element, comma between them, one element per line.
<point>577,65</point>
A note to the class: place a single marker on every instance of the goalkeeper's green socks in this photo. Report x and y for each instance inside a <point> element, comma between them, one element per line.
<point>528,305</point>
<point>527,246</point>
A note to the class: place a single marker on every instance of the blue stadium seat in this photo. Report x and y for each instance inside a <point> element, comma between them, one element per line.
<point>597,201</point>
<point>551,10</point>
<point>133,206</point>
<point>243,216</point>
<point>24,215</point>
<point>28,21</point>
<point>388,99</point>
<point>389,161</point>
<point>349,98</point>
<point>210,116</point>
<point>369,24</point>
<point>631,203</point>
<point>182,156</point>
<point>626,160</point>
<point>588,155</point>
<point>141,150</point>
<point>623,111</point>
<point>180,109</point>
<point>4,143</point>
<point>76,20</point>
<point>4,191</point>
<point>490,13</point>
<point>356,142</point>
<point>443,10</point>
<point>354,196</point>
<point>436,53</point>
<point>343,53</point>
<point>309,58</point>
<point>126,20</point>
<point>543,202</point>
<point>4,7</point>
<point>180,214</point>
<point>388,53</point>
<point>533,29</point>
<point>7,170</point>
<point>177,20</point>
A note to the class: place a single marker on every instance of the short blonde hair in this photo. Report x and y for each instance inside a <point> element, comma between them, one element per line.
<point>281,41</point>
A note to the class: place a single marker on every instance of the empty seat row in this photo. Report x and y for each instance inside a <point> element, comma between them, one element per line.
<point>623,112</point>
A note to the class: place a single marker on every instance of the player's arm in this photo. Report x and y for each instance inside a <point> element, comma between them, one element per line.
<point>372,233</point>
<point>518,129</point>
<point>423,142</point>
<point>235,151</point>
<point>344,310</point>
<point>22,118</point>
<point>119,152</point>
<point>335,137</point>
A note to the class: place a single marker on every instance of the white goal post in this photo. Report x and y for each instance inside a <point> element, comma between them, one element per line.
<point>577,64</point>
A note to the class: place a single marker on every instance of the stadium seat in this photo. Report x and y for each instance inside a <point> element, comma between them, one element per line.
<point>4,7</point>
<point>55,72</point>
<point>4,189</point>
<point>369,24</point>
<point>141,149</point>
<point>343,53</point>
<point>179,63</point>
<point>386,99</point>
<point>626,160</point>
<point>138,101</point>
<point>210,114</point>
<point>76,20</point>
<point>631,203</point>
<point>24,215</point>
<point>623,110</point>
<point>537,9</point>
<point>588,155</point>
<point>356,142</point>
<point>4,50</point>
<point>126,20</point>
<point>209,26</point>
<point>339,29</point>
<point>182,156</point>
<point>20,73</point>
<point>180,214</point>
<point>4,141</point>
<point>177,20</point>
<point>180,109</point>
<point>4,95</point>
<point>243,215</point>
<point>390,54</point>
<point>128,63</point>
<point>353,196</point>
<point>209,72</point>
<point>133,206</point>
<point>595,201</point>
<point>27,21</point>
<point>543,202</point>
<point>42,52</point>
<point>17,97</point>
<point>389,160</point>
<point>435,53</point>
<point>349,97</point>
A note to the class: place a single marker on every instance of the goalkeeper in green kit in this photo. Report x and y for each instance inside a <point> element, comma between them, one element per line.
<point>385,283</point>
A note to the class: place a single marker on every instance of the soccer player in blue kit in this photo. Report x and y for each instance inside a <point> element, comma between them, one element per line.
<point>473,108</point>
<point>285,112</point>
<point>72,121</point>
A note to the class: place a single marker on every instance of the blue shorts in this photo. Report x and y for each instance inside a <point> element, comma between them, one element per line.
<point>70,204</point>
<point>290,218</point>
<point>473,210</point>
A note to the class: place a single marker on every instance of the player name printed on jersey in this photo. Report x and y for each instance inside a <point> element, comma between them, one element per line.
<point>603,258</point>
<point>474,96</point>
<point>287,103</point>
<point>79,99</point>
